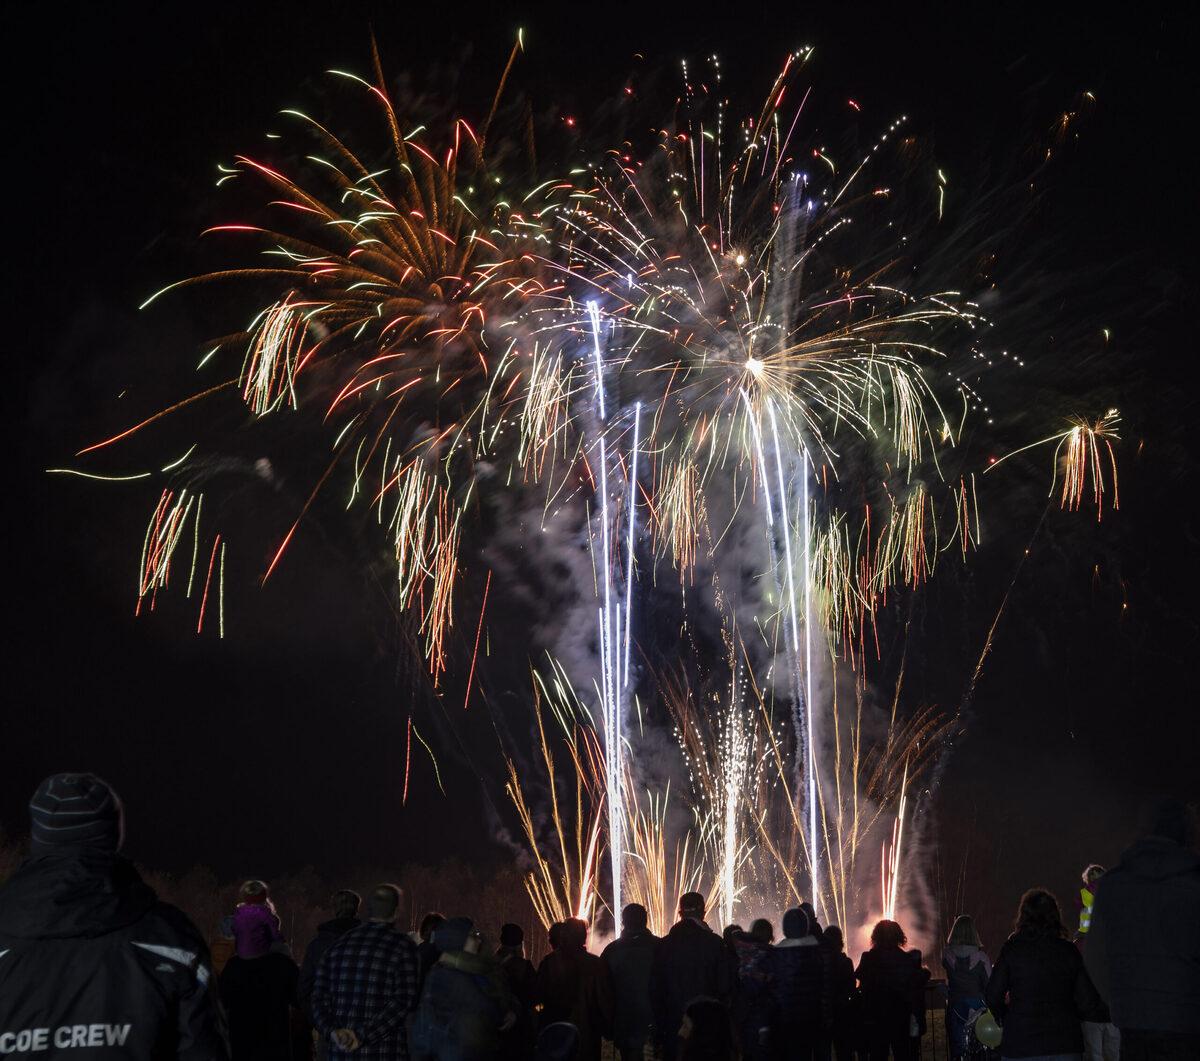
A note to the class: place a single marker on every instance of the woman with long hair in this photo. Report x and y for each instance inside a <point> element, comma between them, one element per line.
<point>893,987</point>
<point>967,972</point>
<point>1039,990</point>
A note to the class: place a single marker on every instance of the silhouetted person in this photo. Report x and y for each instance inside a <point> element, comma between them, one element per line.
<point>464,1004</point>
<point>752,1006</point>
<point>521,980</point>
<point>345,904</point>
<point>90,960</point>
<point>258,990</point>
<point>690,961</point>
<point>575,987</point>
<point>800,988</point>
<point>629,958</point>
<point>845,995</point>
<point>706,1032</point>
<point>1143,947</point>
<point>893,989</point>
<point>367,984</point>
<point>1038,988</point>
<point>427,952</point>
<point>967,972</point>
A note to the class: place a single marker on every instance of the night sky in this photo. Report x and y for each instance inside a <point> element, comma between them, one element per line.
<point>283,745</point>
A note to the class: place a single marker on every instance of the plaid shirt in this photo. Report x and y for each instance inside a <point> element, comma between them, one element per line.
<point>367,981</point>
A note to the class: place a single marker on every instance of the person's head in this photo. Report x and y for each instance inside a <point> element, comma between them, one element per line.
<point>795,924</point>
<point>1168,818</point>
<point>1092,874</point>
<point>762,931</point>
<point>512,935</point>
<point>963,932</point>
<point>706,1033</point>
<point>557,1042</point>
<point>554,935</point>
<point>455,933</point>
<point>345,903</point>
<point>887,935</point>
<point>573,934</point>
<point>384,903</point>
<point>634,918</point>
<point>691,904</point>
<point>1039,914</point>
<point>833,936</point>
<point>814,926</point>
<point>732,934</point>
<point>72,811</point>
<point>428,923</point>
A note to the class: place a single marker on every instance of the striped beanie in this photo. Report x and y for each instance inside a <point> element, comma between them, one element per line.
<point>75,810</point>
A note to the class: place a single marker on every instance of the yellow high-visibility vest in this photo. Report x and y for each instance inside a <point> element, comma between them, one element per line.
<point>1085,915</point>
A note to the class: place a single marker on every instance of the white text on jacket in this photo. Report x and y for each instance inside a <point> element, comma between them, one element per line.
<point>36,1040</point>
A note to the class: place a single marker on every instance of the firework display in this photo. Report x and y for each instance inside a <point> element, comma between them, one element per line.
<point>716,354</point>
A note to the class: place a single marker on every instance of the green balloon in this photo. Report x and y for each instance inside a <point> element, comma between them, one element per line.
<point>987,1031</point>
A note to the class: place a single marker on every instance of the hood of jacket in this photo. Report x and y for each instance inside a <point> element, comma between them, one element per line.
<point>73,893</point>
<point>339,926</point>
<point>1155,857</point>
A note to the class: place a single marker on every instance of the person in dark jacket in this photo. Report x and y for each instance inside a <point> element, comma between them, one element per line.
<point>691,960</point>
<point>89,958</point>
<point>706,1032</point>
<point>1143,947</point>
<point>752,1005</point>
<point>800,988</point>
<point>967,972</point>
<point>427,952</point>
<point>464,1004</point>
<point>576,987</point>
<point>629,958</point>
<point>845,994</point>
<point>258,989</point>
<point>892,982</point>
<point>1038,989</point>
<point>345,906</point>
<point>520,978</point>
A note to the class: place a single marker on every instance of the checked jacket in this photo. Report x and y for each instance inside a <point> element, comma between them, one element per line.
<point>368,981</point>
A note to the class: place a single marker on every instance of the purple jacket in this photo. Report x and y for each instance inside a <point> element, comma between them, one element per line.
<point>255,929</point>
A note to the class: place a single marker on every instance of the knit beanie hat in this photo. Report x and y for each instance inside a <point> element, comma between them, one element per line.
<point>74,810</point>
<point>452,933</point>
<point>795,924</point>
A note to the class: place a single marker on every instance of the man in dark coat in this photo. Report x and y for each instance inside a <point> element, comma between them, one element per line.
<point>520,978</point>
<point>575,986</point>
<point>89,958</point>
<point>629,958</point>
<point>345,917</point>
<point>1143,947</point>
<point>691,960</point>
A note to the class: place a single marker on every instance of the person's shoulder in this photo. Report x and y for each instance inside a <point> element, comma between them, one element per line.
<point>167,924</point>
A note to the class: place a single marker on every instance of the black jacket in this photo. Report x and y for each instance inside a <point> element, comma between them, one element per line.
<point>327,933</point>
<point>90,958</point>
<point>629,958</point>
<point>893,992</point>
<point>801,992</point>
<point>1048,994</point>
<point>259,994</point>
<point>690,960</point>
<point>1143,948</point>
